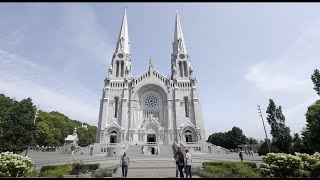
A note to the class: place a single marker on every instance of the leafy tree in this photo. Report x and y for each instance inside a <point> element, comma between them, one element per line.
<point>315,77</point>
<point>263,150</point>
<point>297,144</point>
<point>311,134</point>
<point>251,141</point>
<point>16,124</point>
<point>234,138</point>
<point>229,140</point>
<point>218,139</point>
<point>86,136</point>
<point>280,132</point>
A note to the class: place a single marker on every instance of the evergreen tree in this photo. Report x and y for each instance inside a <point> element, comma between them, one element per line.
<point>280,132</point>
<point>315,77</point>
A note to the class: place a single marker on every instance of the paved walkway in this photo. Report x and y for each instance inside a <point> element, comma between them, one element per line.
<point>151,166</point>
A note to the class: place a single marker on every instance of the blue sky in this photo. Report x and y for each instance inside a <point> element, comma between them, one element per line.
<point>242,54</point>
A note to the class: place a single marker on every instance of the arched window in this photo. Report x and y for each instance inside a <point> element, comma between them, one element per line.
<point>116,102</point>
<point>122,68</point>
<point>117,69</point>
<point>185,69</point>
<point>186,106</point>
<point>180,69</point>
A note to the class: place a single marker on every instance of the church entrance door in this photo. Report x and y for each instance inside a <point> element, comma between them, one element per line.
<point>151,138</point>
<point>113,139</point>
<point>188,138</point>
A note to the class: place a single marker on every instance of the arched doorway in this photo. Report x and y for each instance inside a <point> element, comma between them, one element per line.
<point>151,138</point>
<point>188,136</point>
<point>113,137</point>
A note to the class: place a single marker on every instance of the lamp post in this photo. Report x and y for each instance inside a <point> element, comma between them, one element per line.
<point>34,121</point>
<point>260,114</point>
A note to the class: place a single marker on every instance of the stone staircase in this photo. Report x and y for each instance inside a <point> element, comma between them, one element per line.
<point>166,151</point>
<point>135,151</point>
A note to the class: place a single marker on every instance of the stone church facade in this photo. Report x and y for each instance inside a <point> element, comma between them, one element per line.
<point>150,108</point>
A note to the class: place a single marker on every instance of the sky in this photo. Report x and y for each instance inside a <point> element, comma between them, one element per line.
<point>242,54</point>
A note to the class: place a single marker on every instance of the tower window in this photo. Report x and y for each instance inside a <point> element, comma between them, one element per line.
<point>116,102</point>
<point>122,68</point>
<point>185,69</point>
<point>186,106</point>
<point>117,69</point>
<point>180,69</point>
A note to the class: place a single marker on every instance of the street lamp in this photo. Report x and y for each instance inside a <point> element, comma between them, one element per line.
<point>34,121</point>
<point>260,114</point>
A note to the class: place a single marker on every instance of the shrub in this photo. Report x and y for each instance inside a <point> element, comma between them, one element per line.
<point>33,173</point>
<point>92,167</point>
<point>281,165</point>
<point>77,168</point>
<point>286,165</point>
<point>105,172</point>
<point>58,171</point>
<point>12,165</point>
<point>55,171</point>
<point>230,169</point>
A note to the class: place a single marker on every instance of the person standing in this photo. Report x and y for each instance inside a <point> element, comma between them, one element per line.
<point>124,162</point>
<point>188,162</point>
<point>180,161</point>
<point>241,156</point>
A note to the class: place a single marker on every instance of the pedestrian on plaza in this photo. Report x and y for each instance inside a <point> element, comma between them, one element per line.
<point>241,156</point>
<point>179,157</point>
<point>188,162</point>
<point>124,163</point>
<point>251,152</point>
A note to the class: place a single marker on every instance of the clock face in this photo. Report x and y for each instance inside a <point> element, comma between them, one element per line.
<point>182,56</point>
<point>120,55</point>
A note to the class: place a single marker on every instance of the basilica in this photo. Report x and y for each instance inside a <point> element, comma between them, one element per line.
<point>150,107</point>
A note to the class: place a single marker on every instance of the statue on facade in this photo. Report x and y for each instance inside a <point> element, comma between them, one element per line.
<point>121,43</point>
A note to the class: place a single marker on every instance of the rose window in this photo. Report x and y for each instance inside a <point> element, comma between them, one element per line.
<point>151,101</point>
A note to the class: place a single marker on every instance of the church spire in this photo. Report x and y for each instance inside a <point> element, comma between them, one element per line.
<point>123,43</point>
<point>178,42</point>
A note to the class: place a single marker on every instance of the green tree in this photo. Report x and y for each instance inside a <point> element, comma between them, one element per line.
<point>311,134</point>
<point>218,139</point>
<point>16,124</point>
<point>297,144</point>
<point>86,136</point>
<point>229,140</point>
<point>263,150</point>
<point>315,77</point>
<point>234,138</point>
<point>280,132</point>
<point>251,141</point>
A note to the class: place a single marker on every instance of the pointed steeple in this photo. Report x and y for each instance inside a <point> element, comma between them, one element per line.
<point>178,42</point>
<point>123,40</point>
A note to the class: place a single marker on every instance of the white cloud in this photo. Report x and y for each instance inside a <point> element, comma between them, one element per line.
<point>20,78</point>
<point>288,76</point>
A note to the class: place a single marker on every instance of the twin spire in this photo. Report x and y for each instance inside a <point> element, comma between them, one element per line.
<point>179,44</point>
<point>123,43</point>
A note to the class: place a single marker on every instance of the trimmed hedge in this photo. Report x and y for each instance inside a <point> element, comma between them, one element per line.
<point>57,171</point>
<point>229,169</point>
<point>250,164</point>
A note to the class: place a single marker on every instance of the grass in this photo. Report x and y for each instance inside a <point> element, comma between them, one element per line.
<point>229,170</point>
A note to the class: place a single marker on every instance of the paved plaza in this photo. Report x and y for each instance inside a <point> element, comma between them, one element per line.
<point>143,167</point>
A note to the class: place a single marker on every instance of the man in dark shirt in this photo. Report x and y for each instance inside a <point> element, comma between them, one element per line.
<point>124,164</point>
<point>179,161</point>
